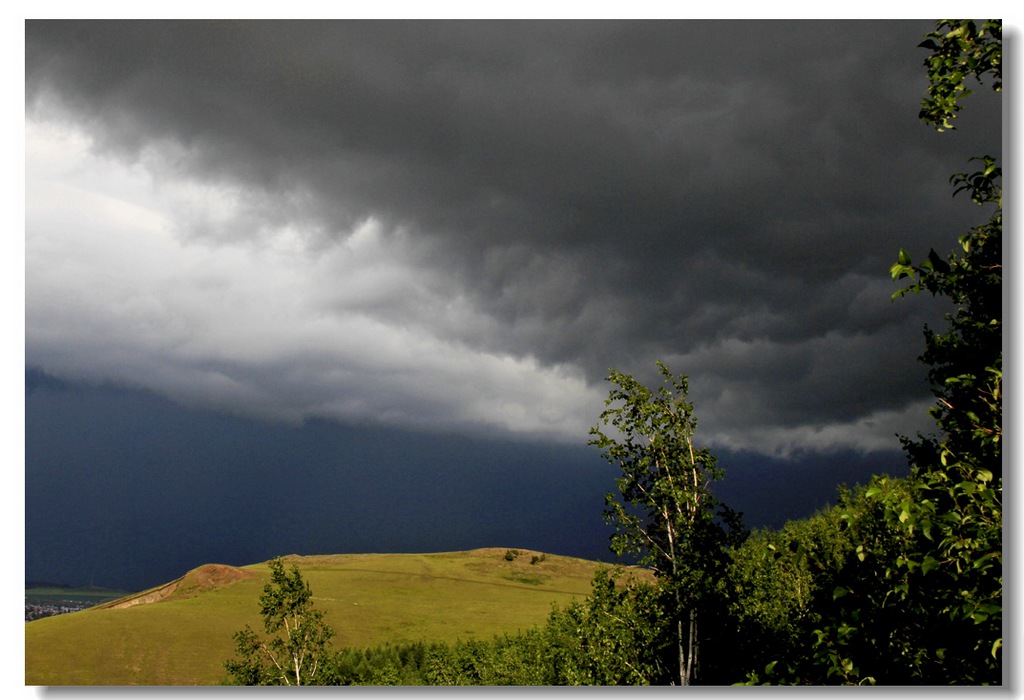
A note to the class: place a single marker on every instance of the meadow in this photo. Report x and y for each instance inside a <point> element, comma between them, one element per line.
<point>181,633</point>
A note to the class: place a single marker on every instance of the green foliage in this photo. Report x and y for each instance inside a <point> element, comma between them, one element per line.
<point>781,585</point>
<point>505,660</point>
<point>919,598</point>
<point>295,657</point>
<point>620,635</point>
<point>965,362</point>
<point>892,586</point>
<point>664,511</point>
<point>385,664</point>
<point>959,49</point>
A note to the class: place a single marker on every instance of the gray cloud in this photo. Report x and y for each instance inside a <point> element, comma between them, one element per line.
<point>547,200</point>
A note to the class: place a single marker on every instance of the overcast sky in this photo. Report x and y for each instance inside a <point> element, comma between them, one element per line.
<point>453,230</point>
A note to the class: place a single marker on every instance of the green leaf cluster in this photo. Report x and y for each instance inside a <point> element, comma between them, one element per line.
<point>959,49</point>
<point>620,635</point>
<point>781,586</point>
<point>965,360</point>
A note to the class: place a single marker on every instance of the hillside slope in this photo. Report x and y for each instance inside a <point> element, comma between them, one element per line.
<point>181,633</point>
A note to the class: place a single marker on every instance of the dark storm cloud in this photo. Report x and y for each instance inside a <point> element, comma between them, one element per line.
<point>724,195</point>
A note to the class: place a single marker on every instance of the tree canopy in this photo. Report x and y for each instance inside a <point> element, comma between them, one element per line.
<point>296,650</point>
<point>664,510</point>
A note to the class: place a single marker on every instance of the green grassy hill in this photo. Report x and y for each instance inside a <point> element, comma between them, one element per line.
<point>181,633</point>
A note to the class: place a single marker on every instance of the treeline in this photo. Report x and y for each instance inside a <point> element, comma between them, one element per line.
<point>899,583</point>
<point>778,600</point>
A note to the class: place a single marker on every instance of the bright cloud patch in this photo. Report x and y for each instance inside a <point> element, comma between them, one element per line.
<point>877,431</point>
<point>279,324</point>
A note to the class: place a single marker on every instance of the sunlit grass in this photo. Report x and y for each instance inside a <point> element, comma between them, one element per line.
<point>368,599</point>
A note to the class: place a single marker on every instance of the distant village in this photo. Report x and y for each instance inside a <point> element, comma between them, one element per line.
<point>48,599</point>
<point>37,610</point>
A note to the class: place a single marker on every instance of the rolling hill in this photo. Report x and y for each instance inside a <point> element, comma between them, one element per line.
<point>181,633</point>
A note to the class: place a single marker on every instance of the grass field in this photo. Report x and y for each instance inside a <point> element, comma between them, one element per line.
<point>184,637</point>
<point>57,593</point>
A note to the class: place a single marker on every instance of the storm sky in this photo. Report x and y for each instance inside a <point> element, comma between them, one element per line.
<point>355,286</point>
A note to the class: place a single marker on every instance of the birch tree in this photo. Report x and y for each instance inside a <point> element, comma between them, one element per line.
<point>295,651</point>
<point>663,510</point>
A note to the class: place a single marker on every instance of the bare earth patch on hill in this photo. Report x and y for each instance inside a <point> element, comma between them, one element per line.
<point>203,578</point>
